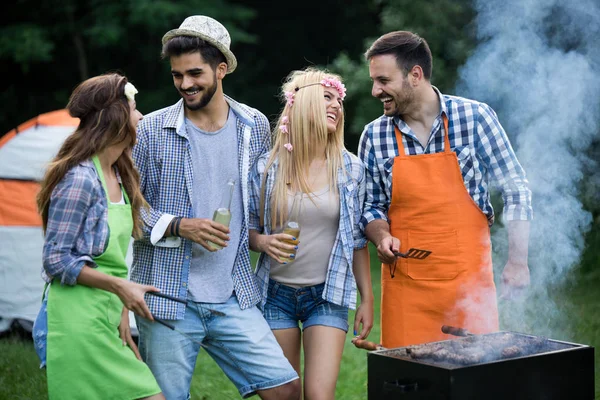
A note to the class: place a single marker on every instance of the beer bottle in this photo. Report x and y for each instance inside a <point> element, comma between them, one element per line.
<point>222,214</point>
<point>292,225</point>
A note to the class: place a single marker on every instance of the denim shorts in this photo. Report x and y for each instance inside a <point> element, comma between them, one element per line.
<point>239,341</point>
<point>286,307</point>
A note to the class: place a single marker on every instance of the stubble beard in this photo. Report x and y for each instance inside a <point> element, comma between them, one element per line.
<point>206,97</point>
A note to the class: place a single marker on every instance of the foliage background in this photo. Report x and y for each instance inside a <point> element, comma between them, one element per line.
<point>47,47</point>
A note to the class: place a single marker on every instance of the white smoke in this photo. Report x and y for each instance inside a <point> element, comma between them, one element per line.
<point>538,66</point>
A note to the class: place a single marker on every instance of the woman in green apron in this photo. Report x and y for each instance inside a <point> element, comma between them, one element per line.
<point>90,203</point>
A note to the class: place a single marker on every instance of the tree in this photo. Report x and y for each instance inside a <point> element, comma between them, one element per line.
<point>48,47</point>
<point>447,26</point>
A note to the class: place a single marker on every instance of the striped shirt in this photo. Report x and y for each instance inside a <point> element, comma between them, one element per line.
<point>340,285</point>
<point>480,143</point>
<point>163,157</point>
<point>77,228</point>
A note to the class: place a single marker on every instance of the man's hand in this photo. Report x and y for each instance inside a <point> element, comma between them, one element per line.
<point>378,232</point>
<point>386,249</point>
<point>515,279</point>
<point>202,230</point>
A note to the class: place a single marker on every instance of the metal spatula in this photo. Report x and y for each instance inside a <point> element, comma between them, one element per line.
<point>414,253</point>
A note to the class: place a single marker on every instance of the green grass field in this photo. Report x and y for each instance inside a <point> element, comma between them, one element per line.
<point>577,301</point>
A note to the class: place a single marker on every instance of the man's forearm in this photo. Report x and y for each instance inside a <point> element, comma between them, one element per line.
<point>518,241</point>
<point>376,230</point>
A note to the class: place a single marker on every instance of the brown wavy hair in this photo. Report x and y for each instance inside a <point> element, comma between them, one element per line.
<point>104,120</point>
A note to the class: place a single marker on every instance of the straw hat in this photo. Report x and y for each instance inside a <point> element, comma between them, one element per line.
<point>208,29</point>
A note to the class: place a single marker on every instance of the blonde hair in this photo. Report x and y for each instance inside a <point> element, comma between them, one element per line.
<point>307,132</point>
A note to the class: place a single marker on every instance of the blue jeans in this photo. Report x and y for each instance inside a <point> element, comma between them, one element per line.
<point>240,342</point>
<point>286,307</point>
<point>39,333</point>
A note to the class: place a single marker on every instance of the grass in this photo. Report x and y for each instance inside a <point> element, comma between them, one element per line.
<point>577,300</point>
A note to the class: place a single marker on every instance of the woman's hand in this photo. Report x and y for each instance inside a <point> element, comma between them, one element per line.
<point>278,246</point>
<point>132,296</point>
<point>364,316</point>
<point>125,333</point>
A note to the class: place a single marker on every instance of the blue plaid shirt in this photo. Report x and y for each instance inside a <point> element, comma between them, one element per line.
<point>163,157</point>
<point>480,143</point>
<point>77,228</point>
<point>340,285</point>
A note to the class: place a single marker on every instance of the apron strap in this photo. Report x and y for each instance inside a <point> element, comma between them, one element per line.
<point>96,161</point>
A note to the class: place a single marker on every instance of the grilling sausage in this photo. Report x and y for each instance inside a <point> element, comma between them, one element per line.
<point>365,344</point>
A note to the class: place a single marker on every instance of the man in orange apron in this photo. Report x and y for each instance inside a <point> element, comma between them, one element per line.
<point>430,159</point>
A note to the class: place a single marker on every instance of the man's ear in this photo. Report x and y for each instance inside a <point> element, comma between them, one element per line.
<point>221,70</point>
<point>416,75</point>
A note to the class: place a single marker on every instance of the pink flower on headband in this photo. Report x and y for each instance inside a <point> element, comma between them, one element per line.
<point>288,147</point>
<point>332,82</point>
<point>290,98</point>
<point>283,126</point>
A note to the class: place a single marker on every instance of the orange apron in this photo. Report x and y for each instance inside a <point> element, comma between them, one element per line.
<point>432,210</point>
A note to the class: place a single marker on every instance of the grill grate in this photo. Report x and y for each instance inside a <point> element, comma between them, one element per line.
<point>478,349</point>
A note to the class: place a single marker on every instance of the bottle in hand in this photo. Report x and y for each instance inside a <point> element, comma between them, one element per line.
<point>222,214</point>
<point>292,225</point>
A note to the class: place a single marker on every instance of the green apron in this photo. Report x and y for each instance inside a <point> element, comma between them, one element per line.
<point>86,358</point>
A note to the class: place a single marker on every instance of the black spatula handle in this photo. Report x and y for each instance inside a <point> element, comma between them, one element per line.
<point>166,296</point>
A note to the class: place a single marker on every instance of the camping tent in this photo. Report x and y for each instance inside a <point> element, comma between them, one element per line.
<point>24,154</point>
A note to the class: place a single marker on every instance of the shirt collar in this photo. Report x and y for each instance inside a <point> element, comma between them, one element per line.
<point>175,117</point>
<point>443,107</point>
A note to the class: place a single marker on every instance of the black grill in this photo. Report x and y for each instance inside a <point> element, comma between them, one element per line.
<point>543,369</point>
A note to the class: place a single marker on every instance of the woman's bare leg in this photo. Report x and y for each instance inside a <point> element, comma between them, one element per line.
<point>290,340</point>
<point>323,347</point>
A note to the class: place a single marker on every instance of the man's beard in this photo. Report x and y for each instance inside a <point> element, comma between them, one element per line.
<point>402,101</point>
<point>206,97</point>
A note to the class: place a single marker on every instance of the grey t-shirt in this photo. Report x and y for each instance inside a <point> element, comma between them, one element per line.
<point>215,161</point>
<point>319,221</point>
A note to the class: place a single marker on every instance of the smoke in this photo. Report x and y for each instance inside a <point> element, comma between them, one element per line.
<point>538,66</point>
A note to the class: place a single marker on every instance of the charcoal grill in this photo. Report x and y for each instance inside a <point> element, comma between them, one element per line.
<point>543,369</point>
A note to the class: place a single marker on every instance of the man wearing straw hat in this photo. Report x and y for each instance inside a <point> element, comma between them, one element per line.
<point>185,155</point>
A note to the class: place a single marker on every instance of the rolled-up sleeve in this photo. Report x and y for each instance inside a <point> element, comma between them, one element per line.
<point>504,166</point>
<point>376,202</point>
<point>70,206</point>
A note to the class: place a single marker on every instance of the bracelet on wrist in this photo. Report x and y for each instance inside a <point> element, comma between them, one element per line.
<point>177,227</point>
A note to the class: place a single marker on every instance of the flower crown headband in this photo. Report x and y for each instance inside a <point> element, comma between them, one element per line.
<point>327,82</point>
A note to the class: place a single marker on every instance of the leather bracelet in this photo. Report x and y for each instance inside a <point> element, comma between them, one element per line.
<point>172,226</point>
<point>177,226</point>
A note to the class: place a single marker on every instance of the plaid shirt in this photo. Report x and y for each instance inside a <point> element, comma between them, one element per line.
<point>163,157</point>
<point>480,143</point>
<point>340,285</point>
<point>77,227</point>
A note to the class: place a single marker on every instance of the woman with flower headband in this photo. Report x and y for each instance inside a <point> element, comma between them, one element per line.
<point>90,205</point>
<point>319,287</point>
